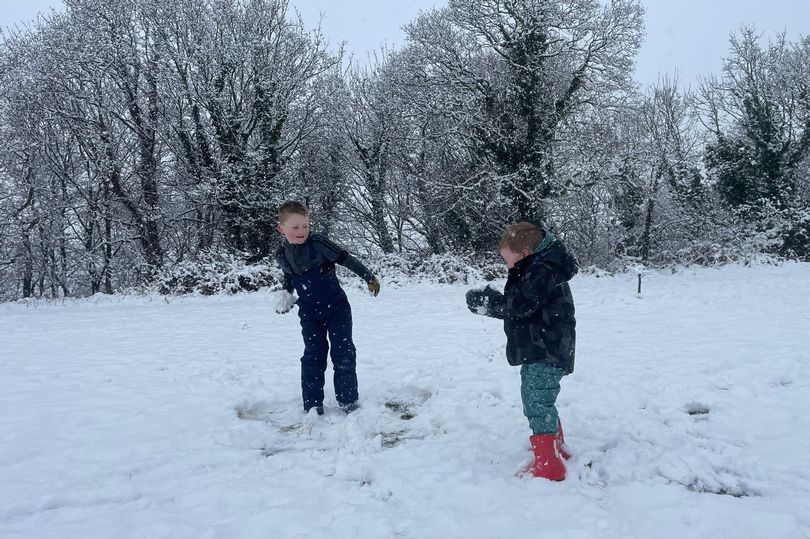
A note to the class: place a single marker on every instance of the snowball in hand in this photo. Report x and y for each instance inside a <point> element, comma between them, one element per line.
<point>283,301</point>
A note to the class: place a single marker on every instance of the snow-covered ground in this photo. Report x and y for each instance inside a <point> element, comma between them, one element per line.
<point>687,414</point>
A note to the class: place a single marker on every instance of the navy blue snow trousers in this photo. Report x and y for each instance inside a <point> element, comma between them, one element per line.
<point>317,321</point>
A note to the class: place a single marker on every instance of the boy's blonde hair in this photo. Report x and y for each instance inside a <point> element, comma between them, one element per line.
<point>291,207</point>
<point>520,236</point>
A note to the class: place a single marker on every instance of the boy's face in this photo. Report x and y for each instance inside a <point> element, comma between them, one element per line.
<point>511,258</point>
<point>295,228</point>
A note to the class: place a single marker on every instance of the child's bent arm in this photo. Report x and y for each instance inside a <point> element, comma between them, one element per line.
<point>334,253</point>
<point>486,302</point>
<point>497,305</point>
<point>286,283</point>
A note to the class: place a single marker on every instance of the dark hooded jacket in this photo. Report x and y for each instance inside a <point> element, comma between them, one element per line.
<point>309,269</point>
<point>537,308</point>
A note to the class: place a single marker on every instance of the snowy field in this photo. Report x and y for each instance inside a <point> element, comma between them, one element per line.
<point>687,416</point>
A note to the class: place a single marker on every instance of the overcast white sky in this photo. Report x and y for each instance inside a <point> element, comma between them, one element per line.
<point>688,35</point>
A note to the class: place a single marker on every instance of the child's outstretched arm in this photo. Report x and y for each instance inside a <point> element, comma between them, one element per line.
<point>283,299</point>
<point>335,253</point>
<point>486,301</point>
<point>286,283</point>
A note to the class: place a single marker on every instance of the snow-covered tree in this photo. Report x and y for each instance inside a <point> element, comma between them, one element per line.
<point>758,113</point>
<point>522,70</point>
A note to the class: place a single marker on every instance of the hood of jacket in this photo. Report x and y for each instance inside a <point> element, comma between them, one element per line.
<point>552,253</point>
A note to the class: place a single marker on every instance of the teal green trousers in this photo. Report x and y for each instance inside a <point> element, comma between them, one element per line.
<point>539,387</point>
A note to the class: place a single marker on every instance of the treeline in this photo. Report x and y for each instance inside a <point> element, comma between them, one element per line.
<point>138,136</point>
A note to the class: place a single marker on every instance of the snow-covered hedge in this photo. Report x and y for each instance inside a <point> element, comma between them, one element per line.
<point>442,269</point>
<point>213,273</point>
<point>228,274</point>
<point>787,232</point>
<point>772,237</point>
<point>762,234</point>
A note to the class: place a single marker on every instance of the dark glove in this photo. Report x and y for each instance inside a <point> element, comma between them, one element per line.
<point>478,301</point>
<point>374,286</point>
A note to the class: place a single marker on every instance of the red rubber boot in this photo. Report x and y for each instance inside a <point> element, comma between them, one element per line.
<point>547,460</point>
<point>564,453</point>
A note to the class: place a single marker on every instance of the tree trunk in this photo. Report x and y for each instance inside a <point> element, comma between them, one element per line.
<point>108,252</point>
<point>378,213</point>
<point>28,265</point>
<point>646,236</point>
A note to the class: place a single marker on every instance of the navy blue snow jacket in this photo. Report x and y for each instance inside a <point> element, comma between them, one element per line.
<point>309,269</point>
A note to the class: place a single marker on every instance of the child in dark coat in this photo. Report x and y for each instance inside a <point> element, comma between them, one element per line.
<point>308,263</point>
<point>537,310</point>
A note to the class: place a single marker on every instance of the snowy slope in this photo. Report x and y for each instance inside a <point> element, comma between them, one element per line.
<point>687,414</point>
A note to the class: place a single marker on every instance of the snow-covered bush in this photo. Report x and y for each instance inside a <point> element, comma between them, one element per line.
<point>443,269</point>
<point>214,273</point>
<point>787,232</point>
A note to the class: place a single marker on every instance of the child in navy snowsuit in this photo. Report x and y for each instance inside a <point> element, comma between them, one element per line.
<point>308,263</point>
<point>537,310</point>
